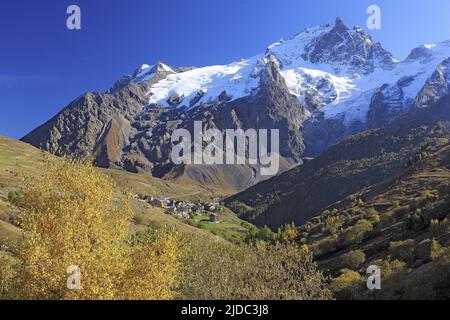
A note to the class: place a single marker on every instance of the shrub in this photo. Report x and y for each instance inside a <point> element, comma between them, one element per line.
<point>8,271</point>
<point>415,221</point>
<point>330,225</point>
<point>431,283</point>
<point>373,217</point>
<point>287,233</point>
<point>426,197</point>
<point>358,202</point>
<point>356,233</point>
<point>139,219</point>
<point>434,227</point>
<point>347,284</point>
<point>436,249</point>
<point>418,157</point>
<point>220,270</point>
<point>395,204</point>
<point>390,267</point>
<point>154,271</point>
<point>393,276</point>
<point>437,228</point>
<point>264,234</point>
<point>353,259</point>
<point>15,198</point>
<point>402,250</point>
<point>325,246</point>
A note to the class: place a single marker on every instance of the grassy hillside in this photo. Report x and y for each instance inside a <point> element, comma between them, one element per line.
<point>401,224</point>
<point>18,159</point>
<point>15,158</point>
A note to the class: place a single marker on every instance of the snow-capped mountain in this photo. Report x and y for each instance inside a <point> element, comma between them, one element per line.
<point>436,86</point>
<point>318,87</point>
<point>330,67</point>
<point>333,48</point>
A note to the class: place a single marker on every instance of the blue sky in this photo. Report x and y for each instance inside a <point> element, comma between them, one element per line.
<point>44,66</point>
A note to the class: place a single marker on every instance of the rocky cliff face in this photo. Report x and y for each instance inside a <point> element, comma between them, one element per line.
<point>81,127</point>
<point>348,51</point>
<point>437,86</point>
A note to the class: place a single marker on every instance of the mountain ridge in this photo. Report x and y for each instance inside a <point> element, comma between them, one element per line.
<point>317,88</point>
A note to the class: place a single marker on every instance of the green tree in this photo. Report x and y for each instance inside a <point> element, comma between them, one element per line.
<point>264,234</point>
<point>353,259</point>
<point>287,233</point>
<point>436,249</point>
<point>402,250</point>
<point>373,217</point>
<point>347,284</point>
<point>14,198</point>
<point>356,233</point>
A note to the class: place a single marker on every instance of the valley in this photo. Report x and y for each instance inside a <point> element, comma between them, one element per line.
<point>18,160</point>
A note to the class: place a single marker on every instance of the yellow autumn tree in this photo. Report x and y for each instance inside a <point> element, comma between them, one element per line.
<point>7,274</point>
<point>72,221</point>
<point>156,266</point>
<point>287,233</point>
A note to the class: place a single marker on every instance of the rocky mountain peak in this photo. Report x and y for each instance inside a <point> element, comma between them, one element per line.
<point>427,53</point>
<point>420,53</point>
<point>348,50</point>
<point>436,86</point>
<point>141,69</point>
<point>340,25</point>
<point>144,72</point>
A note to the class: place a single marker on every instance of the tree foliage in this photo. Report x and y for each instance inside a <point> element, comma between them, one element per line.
<point>260,234</point>
<point>287,233</point>
<point>353,259</point>
<point>356,233</point>
<point>402,250</point>
<point>219,270</point>
<point>346,285</point>
<point>8,271</point>
<point>70,218</point>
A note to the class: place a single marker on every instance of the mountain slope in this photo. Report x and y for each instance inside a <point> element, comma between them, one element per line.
<point>400,224</point>
<point>357,162</point>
